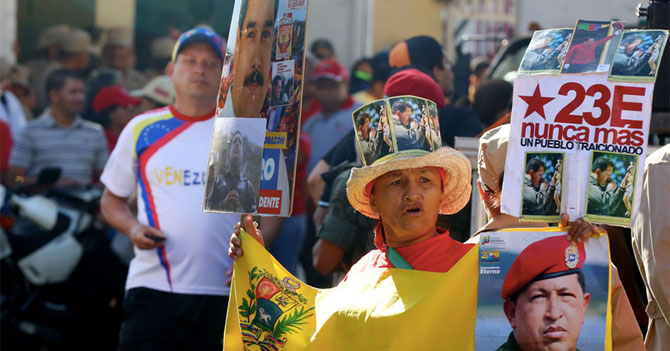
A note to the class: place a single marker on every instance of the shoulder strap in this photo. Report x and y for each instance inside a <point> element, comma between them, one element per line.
<point>396,259</point>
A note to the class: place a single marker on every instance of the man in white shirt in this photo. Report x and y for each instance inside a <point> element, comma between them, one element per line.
<point>176,292</point>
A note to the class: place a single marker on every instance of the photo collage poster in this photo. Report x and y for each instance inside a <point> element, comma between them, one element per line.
<point>579,137</point>
<point>262,81</point>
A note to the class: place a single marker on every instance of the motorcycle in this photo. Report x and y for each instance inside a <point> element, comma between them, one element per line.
<point>61,285</point>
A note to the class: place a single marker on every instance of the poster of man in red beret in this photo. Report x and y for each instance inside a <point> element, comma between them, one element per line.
<point>539,291</point>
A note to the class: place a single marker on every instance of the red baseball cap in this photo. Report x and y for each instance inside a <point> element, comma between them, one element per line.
<point>330,69</point>
<point>113,95</point>
<point>414,82</point>
<point>544,259</point>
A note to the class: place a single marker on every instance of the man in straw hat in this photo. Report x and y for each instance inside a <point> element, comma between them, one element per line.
<point>491,159</point>
<point>406,191</point>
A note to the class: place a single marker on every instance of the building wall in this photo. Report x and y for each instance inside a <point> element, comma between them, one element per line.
<point>342,23</point>
<point>35,15</point>
<point>360,28</point>
<point>565,13</point>
<point>396,20</point>
<point>7,30</point>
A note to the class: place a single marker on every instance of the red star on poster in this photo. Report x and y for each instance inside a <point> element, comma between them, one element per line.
<point>536,102</point>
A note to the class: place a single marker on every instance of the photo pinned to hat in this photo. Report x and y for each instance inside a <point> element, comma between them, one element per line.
<point>402,132</point>
<point>396,126</point>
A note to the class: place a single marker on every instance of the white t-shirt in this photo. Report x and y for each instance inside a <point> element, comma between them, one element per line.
<point>163,155</point>
<point>12,113</point>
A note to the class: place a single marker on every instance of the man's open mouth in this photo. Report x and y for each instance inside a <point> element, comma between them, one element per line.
<point>413,210</point>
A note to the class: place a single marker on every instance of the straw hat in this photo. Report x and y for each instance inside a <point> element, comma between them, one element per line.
<point>456,185</point>
<point>159,89</point>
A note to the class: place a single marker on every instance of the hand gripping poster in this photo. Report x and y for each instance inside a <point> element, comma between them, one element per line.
<point>258,110</point>
<point>537,290</point>
<point>577,140</point>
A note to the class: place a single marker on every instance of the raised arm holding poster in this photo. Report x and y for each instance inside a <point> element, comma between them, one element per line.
<point>576,140</point>
<point>261,83</point>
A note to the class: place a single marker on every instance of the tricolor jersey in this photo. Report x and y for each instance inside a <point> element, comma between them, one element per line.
<point>163,155</point>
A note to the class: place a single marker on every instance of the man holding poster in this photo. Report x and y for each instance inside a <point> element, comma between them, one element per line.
<point>176,289</point>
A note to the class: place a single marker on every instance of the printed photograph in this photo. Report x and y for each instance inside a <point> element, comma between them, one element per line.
<point>588,46</point>
<point>234,167</point>
<point>546,51</point>
<point>638,55</point>
<point>520,275</point>
<point>408,123</point>
<point>434,136</point>
<point>373,132</point>
<point>284,36</point>
<point>282,82</point>
<point>608,55</point>
<point>542,186</point>
<point>611,187</point>
<point>244,83</point>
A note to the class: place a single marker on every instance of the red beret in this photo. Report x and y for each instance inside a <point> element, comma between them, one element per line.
<point>414,82</point>
<point>547,258</point>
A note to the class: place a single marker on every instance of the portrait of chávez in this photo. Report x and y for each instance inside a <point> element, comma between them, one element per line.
<point>236,190</point>
<point>539,194</point>
<point>251,63</point>
<point>545,297</point>
<point>611,179</point>
<point>410,133</point>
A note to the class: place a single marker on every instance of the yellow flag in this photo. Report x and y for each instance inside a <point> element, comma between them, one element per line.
<point>380,309</point>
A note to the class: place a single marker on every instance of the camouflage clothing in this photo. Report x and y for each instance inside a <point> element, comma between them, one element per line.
<point>343,226</point>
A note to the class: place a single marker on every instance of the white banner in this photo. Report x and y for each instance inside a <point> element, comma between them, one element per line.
<point>576,146</point>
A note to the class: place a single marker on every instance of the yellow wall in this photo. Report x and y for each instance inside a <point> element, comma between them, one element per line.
<point>396,20</point>
<point>117,13</point>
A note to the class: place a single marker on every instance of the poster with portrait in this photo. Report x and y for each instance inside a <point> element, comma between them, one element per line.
<point>282,82</point>
<point>542,186</point>
<point>638,55</point>
<point>538,288</point>
<point>266,43</point>
<point>234,166</point>
<point>589,46</point>
<point>611,187</point>
<point>577,116</point>
<point>546,51</point>
<point>284,36</point>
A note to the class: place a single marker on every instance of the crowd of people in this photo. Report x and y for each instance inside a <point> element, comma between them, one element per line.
<point>109,124</point>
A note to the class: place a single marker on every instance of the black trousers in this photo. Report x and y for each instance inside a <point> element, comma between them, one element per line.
<point>157,320</point>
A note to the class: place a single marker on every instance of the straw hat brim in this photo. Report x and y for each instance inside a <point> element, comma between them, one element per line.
<point>457,186</point>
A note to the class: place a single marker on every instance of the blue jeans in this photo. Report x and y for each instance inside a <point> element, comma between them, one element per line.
<point>286,248</point>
